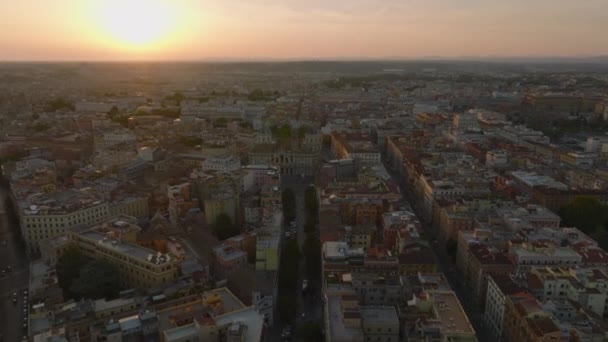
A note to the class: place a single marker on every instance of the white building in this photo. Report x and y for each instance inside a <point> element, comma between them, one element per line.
<point>534,254</point>
<point>222,163</point>
<point>47,215</point>
<point>93,107</point>
<point>114,138</point>
<point>497,158</point>
<point>259,175</point>
<point>380,323</point>
<point>193,109</point>
<point>498,292</point>
<point>466,122</point>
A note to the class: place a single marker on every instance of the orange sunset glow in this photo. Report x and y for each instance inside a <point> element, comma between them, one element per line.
<point>190,30</point>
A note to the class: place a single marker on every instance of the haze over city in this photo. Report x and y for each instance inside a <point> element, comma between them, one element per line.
<point>306,171</point>
<point>84,30</point>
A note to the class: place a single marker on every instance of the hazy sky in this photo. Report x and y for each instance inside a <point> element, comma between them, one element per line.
<point>296,29</point>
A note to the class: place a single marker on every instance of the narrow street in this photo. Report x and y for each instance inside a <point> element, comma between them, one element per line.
<point>445,264</point>
<point>309,306</point>
<point>11,255</point>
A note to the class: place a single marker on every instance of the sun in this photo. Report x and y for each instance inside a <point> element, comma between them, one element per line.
<point>136,23</point>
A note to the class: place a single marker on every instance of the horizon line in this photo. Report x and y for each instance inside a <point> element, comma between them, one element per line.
<point>547,58</point>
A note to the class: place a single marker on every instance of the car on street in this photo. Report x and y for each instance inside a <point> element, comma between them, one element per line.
<point>286,333</point>
<point>304,285</point>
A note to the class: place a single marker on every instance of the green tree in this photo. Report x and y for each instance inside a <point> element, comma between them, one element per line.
<point>113,112</point>
<point>309,227</point>
<point>288,280</point>
<point>451,248</point>
<point>98,279</point>
<point>40,127</point>
<point>312,253</point>
<point>309,331</point>
<point>178,97</point>
<point>58,104</point>
<point>224,228</point>
<point>287,307</point>
<point>585,213</point>
<point>122,120</point>
<point>288,199</point>
<point>311,203</point>
<point>190,141</point>
<point>282,132</point>
<point>302,131</point>
<point>260,95</point>
<point>220,122</point>
<point>68,267</point>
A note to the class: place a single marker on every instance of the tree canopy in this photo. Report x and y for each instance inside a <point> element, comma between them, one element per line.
<point>281,132</point>
<point>288,280</point>
<point>309,331</point>
<point>68,267</point>
<point>113,111</point>
<point>58,104</point>
<point>98,279</point>
<point>312,253</point>
<point>288,199</point>
<point>260,95</point>
<point>177,97</point>
<point>224,228</point>
<point>311,203</point>
<point>585,213</point>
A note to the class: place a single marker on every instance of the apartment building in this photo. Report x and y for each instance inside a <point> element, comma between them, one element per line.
<point>499,290</point>
<point>379,323</point>
<point>215,316</point>
<point>221,163</point>
<point>483,262</point>
<point>438,315</point>
<point>114,241</point>
<point>525,320</point>
<point>529,255</point>
<point>293,161</point>
<point>228,259</point>
<point>358,147</point>
<point>47,215</point>
<point>376,289</point>
<point>589,290</point>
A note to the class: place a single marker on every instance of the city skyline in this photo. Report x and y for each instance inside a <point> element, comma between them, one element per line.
<point>290,30</point>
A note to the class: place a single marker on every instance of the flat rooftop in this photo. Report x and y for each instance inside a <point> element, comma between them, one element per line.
<point>179,333</point>
<point>248,317</point>
<point>337,329</point>
<point>227,252</point>
<point>450,314</point>
<point>379,314</point>
<point>132,250</point>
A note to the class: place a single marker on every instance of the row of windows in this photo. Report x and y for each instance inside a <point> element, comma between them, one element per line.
<point>547,262</point>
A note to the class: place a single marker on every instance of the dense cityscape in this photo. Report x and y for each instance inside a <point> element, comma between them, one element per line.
<point>304,201</point>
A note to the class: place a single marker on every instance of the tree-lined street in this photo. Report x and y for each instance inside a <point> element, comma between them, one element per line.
<point>14,279</point>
